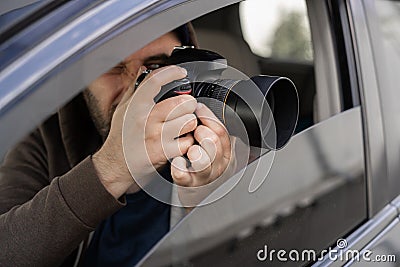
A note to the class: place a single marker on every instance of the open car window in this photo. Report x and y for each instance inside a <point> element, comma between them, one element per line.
<point>306,195</point>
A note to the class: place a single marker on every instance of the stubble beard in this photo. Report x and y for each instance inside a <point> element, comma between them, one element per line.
<point>101,119</point>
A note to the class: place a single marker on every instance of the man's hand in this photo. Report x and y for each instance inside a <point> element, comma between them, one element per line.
<point>210,159</point>
<point>150,131</point>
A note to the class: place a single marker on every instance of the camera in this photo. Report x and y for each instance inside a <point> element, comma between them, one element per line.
<point>266,105</point>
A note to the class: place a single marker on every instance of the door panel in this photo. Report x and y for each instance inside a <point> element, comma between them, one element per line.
<point>314,193</point>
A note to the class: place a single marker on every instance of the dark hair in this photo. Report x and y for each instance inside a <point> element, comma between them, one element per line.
<point>183,34</point>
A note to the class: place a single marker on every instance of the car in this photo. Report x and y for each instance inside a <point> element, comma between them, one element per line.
<point>330,197</point>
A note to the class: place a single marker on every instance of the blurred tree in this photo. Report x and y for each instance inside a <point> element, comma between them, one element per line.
<point>291,38</point>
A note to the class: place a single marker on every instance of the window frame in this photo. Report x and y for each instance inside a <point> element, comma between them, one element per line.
<point>388,107</point>
<point>374,136</point>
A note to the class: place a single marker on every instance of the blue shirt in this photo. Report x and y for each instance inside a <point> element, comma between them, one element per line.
<point>125,237</point>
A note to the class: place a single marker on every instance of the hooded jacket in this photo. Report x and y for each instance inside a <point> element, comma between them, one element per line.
<point>51,198</point>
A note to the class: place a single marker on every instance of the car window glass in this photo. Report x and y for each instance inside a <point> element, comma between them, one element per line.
<point>278,29</point>
<point>389,24</point>
<point>278,32</point>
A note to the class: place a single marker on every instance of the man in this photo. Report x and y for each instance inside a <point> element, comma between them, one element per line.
<point>69,177</point>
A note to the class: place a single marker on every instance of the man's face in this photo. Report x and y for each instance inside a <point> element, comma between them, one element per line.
<point>103,94</point>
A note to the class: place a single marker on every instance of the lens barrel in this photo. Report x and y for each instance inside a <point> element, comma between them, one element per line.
<point>267,105</point>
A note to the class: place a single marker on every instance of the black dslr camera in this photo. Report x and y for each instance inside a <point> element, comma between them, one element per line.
<point>255,101</point>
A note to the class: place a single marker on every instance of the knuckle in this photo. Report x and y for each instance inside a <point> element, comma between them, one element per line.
<point>154,80</point>
<point>184,146</point>
<point>187,118</point>
<point>178,175</point>
<point>220,131</point>
<point>200,131</point>
<point>192,117</point>
<point>191,121</point>
<point>213,138</point>
<point>220,170</point>
<point>152,117</point>
<point>157,133</point>
<point>150,139</point>
<point>188,98</point>
<point>172,106</point>
<point>204,161</point>
<point>183,100</point>
<point>177,101</point>
<point>193,150</point>
<point>189,143</point>
<point>186,102</point>
<point>189,140</point>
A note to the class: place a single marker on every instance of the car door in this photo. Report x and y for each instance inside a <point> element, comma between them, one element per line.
<point>314,195</point>
<point>351,77</point>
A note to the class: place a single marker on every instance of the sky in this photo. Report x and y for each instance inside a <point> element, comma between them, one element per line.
<point>256,13</point>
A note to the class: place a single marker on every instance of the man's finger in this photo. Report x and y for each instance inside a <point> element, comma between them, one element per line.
<point>174,107</point>
<point>179,172</point>
<point>151,85</point>
<point>200,160</point>
<point>179,126</point>
<point>209,141</point>
<point>208,119</point>
<point>178,147</point>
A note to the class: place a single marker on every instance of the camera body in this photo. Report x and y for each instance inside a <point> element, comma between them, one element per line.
<point>210,69</point>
